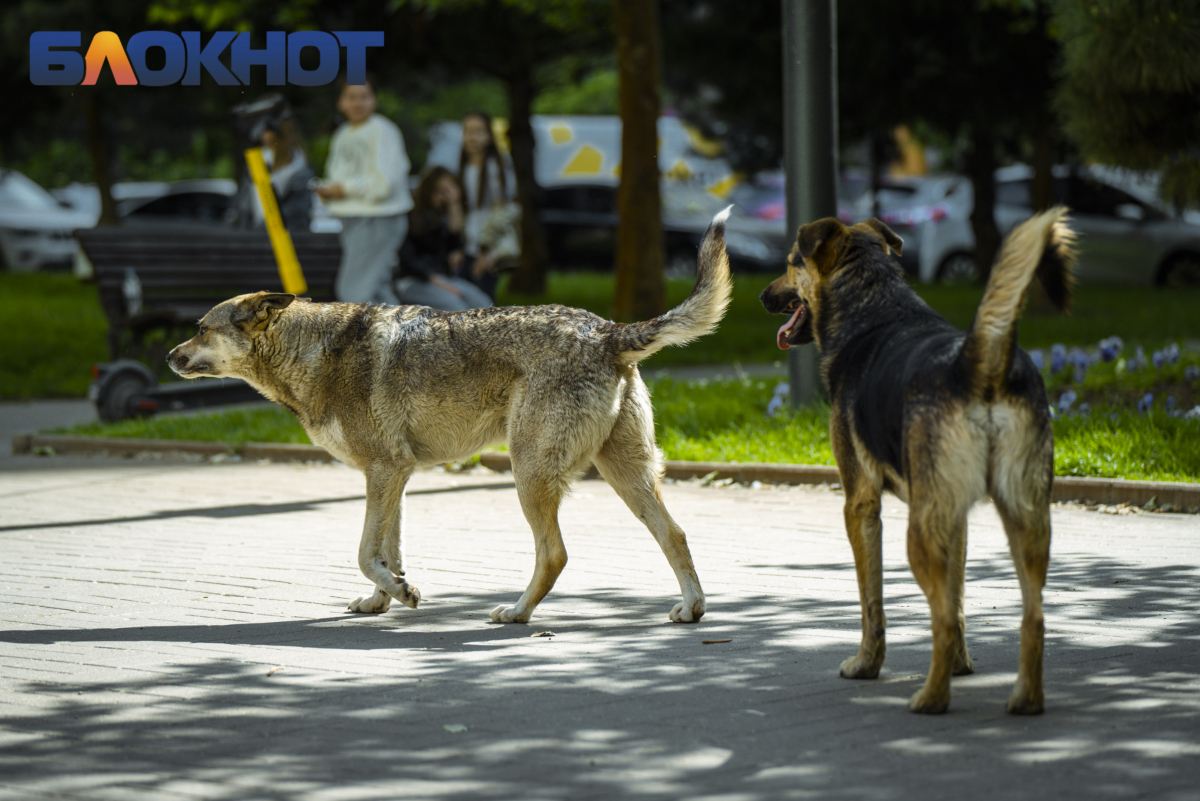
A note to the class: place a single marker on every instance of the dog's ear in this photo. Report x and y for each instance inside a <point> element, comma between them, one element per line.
<point>891,241</point>
<point>255,312</point>
<point>818,241</point>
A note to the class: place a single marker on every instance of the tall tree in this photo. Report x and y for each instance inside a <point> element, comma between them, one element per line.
<point>978,72</point>
<point>511,40</point>
<point>640,292</point>
<point>1130,94</point>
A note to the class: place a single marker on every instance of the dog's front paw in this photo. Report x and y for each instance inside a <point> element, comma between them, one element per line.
<point>689,611</point>
<point>861,666</point>
<point>375,605</point>
<point>1023,701</point>
<point>508,614</point>
<point>929,702</point>
<point>405,593</point>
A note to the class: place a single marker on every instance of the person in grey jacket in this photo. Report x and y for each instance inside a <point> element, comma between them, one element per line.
<point>366,186</point>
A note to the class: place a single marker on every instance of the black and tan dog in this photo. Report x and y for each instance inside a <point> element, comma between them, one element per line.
<point>938,416</point>
<point>389,389</point>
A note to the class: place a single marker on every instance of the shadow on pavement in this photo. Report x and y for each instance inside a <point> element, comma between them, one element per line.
<point>621,704</point>
<point>245,509</point>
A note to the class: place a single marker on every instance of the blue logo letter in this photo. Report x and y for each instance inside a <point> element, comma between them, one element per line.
<point>55,67</point>
<point>207,58</point>
<point>172,46</point>
<point>274,57</point>
<point>356,44</point>
<point>328,57</point>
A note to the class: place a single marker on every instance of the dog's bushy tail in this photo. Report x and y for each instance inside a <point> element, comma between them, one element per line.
<point>1042,245</point>
<point>698,314</point>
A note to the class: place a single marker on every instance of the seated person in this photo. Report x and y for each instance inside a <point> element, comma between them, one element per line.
<point>433,251</point>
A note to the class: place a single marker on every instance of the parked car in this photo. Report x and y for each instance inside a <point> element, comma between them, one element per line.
<point>1122,238</point>
<point>581,229</point>
<point>204,202</point>
<point>35,229</point>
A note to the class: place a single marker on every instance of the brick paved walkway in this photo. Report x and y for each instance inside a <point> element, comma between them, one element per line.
<point>175,631</point>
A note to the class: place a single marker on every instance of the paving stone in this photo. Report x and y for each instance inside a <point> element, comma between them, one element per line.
<point>177,630</point>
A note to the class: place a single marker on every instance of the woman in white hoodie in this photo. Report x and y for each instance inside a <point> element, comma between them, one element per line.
<point>366,186</point>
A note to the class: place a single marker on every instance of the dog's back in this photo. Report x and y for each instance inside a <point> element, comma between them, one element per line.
<point>900,366</point>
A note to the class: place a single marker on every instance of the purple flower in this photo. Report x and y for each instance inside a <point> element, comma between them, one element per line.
<point>1065,400</point>
<point>1171,354</point>
<point>1158,359</point>
<point>1170,404</point>
<point>1038,358</point>
<point>1138,361</point>
<point>1058,357</point>
<point>1085,408</point>
<point>1145,404</point>
<point>1191,372</point>
<point>1110,347</point>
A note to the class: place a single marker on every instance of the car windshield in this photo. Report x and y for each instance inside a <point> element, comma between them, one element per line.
<point>683,201</point>
<point>18,192</point>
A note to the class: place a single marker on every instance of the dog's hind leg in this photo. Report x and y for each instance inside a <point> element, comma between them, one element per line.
<point>628,461</point>
<point>379,549</point>
<point>540,496</point>
<point>1028,532</point>
<point>936,536</point>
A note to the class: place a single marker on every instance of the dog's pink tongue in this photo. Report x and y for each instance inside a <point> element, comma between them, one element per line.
<point>781,335</point>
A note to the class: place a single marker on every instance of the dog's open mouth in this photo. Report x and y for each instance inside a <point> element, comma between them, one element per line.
<point>787,333</point>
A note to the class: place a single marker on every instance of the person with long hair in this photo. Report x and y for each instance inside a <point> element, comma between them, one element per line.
<point>433,252</point>
<point>283,151</point>
<point>486,185</point>
<point>366,186</point>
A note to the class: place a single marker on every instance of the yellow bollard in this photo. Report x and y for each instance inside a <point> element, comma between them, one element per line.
<point>281,242</point>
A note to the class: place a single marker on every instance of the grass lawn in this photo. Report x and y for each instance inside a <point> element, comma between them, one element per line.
<point>54,330</point>
<point>726,421</point>
<point>51,333</point>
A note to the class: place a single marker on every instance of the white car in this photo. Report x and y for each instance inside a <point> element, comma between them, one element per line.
<point>35,229</point>
<point>1122,238</point>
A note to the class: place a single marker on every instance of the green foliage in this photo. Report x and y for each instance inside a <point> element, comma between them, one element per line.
<point>595,93</point>
<point>53,333</point>
<point>1130,93</point>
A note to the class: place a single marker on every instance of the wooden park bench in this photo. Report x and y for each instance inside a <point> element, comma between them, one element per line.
<point>154,283</point>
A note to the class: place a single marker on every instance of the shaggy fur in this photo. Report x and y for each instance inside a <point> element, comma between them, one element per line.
<point>391,389</point>
<point>937,416</point>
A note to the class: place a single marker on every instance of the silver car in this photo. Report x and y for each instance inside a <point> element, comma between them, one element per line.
<point>35,229</point>
<point>1123,238</point>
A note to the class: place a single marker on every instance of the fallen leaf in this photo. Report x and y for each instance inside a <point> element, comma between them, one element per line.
<point>712,642</point>
<point>274,670</point>
<point>542,634</point>
<point>455,728</point>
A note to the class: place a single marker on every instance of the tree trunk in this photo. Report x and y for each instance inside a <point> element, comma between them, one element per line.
<point>98,149</point>
<point>640,292</point>
<point>529,277</point>
<point>981,167</point>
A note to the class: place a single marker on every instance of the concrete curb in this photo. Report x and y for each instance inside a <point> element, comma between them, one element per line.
<point>1107,491</point>
<point>117,446</point>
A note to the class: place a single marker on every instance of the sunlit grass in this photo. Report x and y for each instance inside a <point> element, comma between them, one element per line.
<point>726,421</point>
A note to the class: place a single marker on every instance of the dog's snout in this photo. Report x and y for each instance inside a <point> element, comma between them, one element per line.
<point>176,359</point>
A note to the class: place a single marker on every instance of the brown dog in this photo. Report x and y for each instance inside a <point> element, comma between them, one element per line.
<point>935,415</point>
<point>389,389</point>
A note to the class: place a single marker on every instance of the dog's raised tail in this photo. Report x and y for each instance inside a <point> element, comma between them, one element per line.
<point>1042,245</point>
<point>700,311</point>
